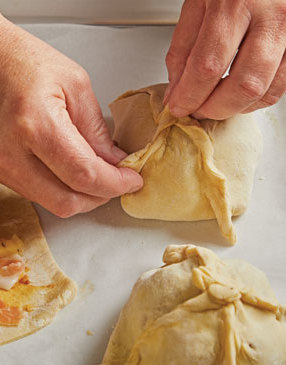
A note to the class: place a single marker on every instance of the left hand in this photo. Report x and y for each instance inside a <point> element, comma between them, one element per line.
<point>205,41</point>
<point>55,148</point>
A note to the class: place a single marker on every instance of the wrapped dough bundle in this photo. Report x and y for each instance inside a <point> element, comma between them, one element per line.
<point>192,170</point>
<point>200,310</point>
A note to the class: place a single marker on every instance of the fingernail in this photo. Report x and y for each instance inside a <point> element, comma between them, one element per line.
<point>179,112</point>
<point>118,153</point>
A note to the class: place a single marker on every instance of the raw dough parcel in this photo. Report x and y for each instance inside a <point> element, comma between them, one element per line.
<point>192,170</point>
<point>200,310</point>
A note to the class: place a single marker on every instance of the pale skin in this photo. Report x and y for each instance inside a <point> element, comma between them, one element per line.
<point>55,148</point>
<point>205,41</point>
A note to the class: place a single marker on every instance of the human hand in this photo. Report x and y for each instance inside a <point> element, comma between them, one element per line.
<point>206,39</point>
<point>55,148</point>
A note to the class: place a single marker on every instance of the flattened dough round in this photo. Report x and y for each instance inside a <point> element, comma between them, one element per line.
<point>49,290</point>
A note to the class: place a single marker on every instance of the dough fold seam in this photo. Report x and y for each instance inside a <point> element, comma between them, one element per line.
<point>213,182</point>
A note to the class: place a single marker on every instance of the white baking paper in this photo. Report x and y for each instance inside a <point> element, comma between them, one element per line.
<point>93,11</point>
<point>106,250</point>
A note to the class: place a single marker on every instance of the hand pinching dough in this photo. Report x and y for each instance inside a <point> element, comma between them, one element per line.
<point>200,310</point>
<point>192,170</point>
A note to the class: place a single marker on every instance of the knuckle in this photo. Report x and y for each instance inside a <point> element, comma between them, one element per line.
<point>208,68</point>
<point>100,131</point>
<point>171,58</point>
<point>25,120</point>
<point>84,178</point>
<point>251,88</point>
<point>22,104</point>
<point>67,207</point>
<point>81,77</point>
<point>25,128</point>
<point>175,62</point>
<point>270,99</point>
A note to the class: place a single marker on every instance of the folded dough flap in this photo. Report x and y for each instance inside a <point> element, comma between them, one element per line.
<point>232,319</point>
<point>224,279</point>
<point>192,170</point>
<point>135,114</point>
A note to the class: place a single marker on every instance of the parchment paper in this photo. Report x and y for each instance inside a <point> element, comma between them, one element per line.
<point>106,250</point>
<point>93,11</point>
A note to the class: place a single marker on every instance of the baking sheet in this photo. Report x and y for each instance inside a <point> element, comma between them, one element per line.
<point>105,251</point>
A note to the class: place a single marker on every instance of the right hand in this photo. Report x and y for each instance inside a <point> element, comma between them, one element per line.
<point>209,34</point>
<point>55,148</point>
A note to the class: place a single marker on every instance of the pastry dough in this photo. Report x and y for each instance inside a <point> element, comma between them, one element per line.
<point>200,310</point>
<point>192,170</point>
<point>48,289</point>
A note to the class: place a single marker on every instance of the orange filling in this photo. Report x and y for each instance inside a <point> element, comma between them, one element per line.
<point>21,296</point>
<point>9,316</point>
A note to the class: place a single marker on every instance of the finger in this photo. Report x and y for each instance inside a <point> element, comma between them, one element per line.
<point>37,183</point>
<point>220,35</point>
<point>67,154</point>
<point>183,40</point>
<point>276,90</point>
<point>86,115</point>
<point>250,75</point>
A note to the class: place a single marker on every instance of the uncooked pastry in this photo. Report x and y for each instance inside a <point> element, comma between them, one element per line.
<point>48,290</point>
<point>200,310</point>
<point>192,170</point>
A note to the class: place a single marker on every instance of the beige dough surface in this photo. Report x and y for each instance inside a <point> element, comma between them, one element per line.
<point>49,289</point>
<point>200,310</point>
<point>192,170</point>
